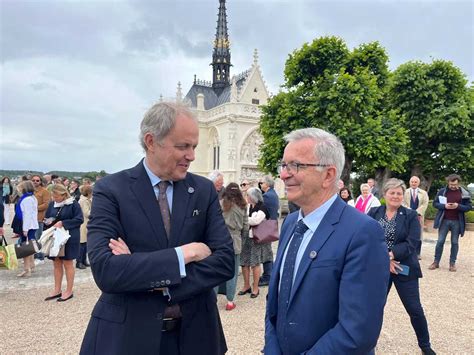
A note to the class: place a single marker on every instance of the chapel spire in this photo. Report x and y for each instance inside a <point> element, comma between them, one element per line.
<point>221,53</point>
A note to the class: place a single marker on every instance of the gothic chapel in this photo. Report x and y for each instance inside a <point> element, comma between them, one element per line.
<point>228,112</point>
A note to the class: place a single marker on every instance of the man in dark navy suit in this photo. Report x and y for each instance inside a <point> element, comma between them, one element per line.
<point>328,286</point>
<point>272,203</point>
<point>158,245</point>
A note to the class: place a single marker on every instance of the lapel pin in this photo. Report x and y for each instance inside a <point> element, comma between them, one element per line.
<point>190,190</point>
<point>313,254</point>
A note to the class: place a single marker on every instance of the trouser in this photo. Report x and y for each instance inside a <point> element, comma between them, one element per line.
<point>444,228</point>
<point>39,231</point>
<point>267,271</point>
<point>409,293</point>
<point>229,287</point>
<point>82,259</point>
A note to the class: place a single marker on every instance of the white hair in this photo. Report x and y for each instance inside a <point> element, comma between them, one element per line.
<point>328,148</point>
<point>213,175</point>
<point>255,195</point>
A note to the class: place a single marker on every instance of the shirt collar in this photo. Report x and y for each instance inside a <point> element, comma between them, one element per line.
<point>313,219</point>
<point>153,178</point>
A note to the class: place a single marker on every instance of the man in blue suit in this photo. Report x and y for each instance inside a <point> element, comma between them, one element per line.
<point>272,203</point>
<point>158,245</point>
<point>328,288</point>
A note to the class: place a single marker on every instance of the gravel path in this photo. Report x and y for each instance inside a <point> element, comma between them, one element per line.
<point>58,328</point>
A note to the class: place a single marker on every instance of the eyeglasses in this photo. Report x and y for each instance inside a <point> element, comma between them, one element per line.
<point>243,184</point>
<point>35,180</point>
<point>294,168</point>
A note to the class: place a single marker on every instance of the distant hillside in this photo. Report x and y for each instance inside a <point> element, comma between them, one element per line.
<point>70,174</point>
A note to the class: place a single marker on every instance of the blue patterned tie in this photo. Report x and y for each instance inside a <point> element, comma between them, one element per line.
<point>286,280</point>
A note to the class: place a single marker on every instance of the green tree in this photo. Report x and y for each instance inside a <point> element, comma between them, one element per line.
<point>330,87</point>
<point>438,107</point>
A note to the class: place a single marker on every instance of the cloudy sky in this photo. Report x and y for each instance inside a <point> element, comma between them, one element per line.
<point>76,76</point>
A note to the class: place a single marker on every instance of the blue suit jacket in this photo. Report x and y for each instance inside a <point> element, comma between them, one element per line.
<point>127,318</point>
<point>407,237</point>
<point>338,296</point>
<point>272,202</point>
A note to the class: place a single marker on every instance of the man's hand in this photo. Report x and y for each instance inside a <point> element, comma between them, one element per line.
<point>1,231</point>
<point>119,247</point>
<point>195,252</point>
<point>58,224</point>
<point>451,206</point>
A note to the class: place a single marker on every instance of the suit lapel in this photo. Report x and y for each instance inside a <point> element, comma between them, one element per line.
<point>318,239</point>
<point>401,216</point>
<point>143,191</point>
<point>181,196</point>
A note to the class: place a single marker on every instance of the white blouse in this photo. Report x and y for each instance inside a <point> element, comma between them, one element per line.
<point>29,209</point>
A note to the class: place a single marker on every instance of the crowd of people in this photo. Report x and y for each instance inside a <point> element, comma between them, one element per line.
<point>162,242</point>
<point>37,203</point>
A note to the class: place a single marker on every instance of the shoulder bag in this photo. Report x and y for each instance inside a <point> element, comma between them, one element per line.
<point>265,232</point>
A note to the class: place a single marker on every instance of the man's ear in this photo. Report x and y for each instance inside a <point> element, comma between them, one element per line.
<point>149,140</point>
<point>329,179</point>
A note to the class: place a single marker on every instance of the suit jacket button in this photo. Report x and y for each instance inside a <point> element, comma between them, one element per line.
<point>168,282</point>
<point>163,283</point>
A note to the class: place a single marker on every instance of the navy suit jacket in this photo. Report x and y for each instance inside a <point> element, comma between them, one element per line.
<point>407,236</point>
<point>272,202</point>
<point>339,293</point>
<point>128,316</point>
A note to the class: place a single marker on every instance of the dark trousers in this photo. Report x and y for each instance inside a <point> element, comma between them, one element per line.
<point>267,271</point>
<point>409,293</point>
<point>82,254</point>
<point>170,342</point>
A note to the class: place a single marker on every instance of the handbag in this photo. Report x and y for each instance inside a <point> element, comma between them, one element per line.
<point>265,232</point>
<point>27,248</point>
<point>7,255</point>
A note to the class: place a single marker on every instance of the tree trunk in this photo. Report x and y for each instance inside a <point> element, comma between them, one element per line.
<point>425,180</point>
<point>346,171</point>
<point>381,176</point>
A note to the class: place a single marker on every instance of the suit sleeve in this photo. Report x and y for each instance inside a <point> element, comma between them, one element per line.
<point>76,219</point>
<point>362,295</point>
<point>437,204</point>
<point>423,204</point>
<point>412,229</point>
<point>216,268</point>
<point>124,273</point>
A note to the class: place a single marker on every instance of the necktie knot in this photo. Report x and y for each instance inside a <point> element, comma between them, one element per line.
<point>162,186</point>
<point>301,228</point>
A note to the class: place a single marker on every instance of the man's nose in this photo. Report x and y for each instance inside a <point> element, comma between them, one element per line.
<point>190,154</point>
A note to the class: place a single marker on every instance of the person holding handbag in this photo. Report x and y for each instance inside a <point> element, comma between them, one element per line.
<point>25,222</point>
<point>253,254</point>
<point>64,211</point>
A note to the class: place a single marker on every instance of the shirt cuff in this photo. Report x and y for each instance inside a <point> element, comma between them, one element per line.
<point>182,265</point>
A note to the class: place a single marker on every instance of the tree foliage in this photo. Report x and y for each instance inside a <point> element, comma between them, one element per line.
<point>438,107</point>
<point>342,91</point>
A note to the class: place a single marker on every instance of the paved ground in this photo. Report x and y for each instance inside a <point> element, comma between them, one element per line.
<point>447,299</point>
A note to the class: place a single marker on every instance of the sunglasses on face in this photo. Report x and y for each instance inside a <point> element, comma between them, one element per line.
<point>35,180</point>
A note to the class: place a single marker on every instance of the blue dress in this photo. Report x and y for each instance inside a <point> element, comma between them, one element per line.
<point>71,217</point>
